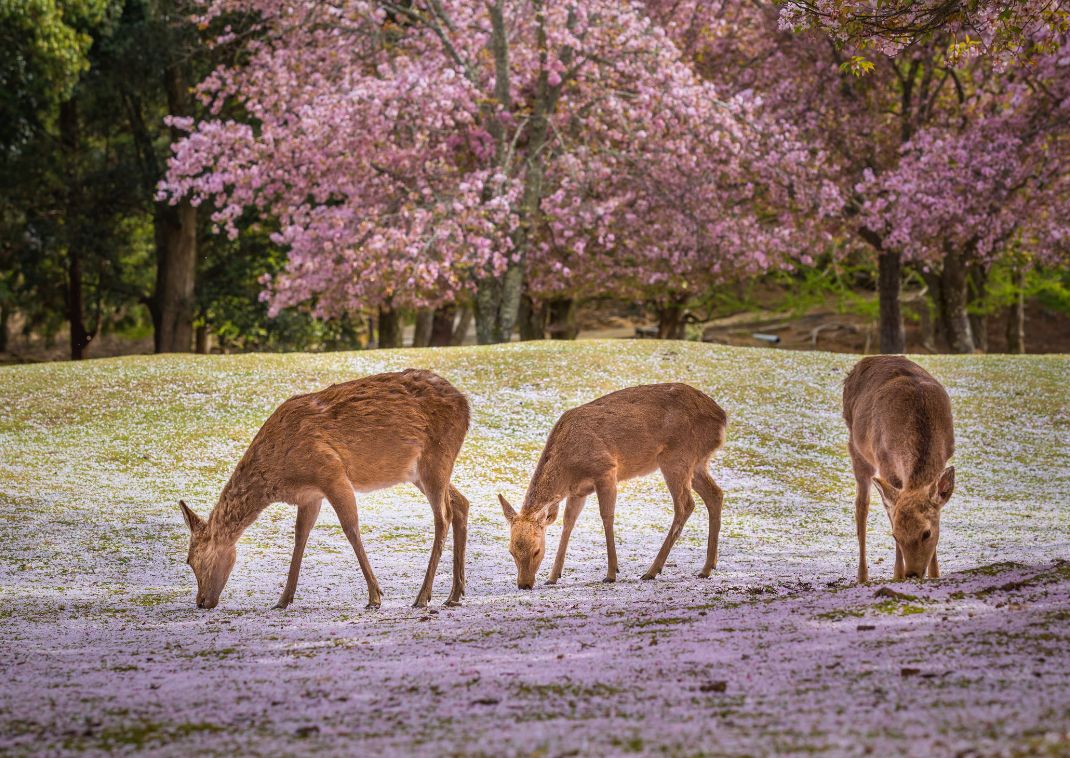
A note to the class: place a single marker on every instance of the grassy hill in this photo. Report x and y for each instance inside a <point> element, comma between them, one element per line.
<point>104,649</point>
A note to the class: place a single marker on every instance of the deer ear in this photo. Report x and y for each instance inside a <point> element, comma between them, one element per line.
<point>193,521</point>
<point>507,509</point>
<point>889,494</point>
<point>944,487</point>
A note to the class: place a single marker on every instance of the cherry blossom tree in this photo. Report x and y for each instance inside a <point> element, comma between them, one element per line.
<point>412,152</point>
<point>942,162</point>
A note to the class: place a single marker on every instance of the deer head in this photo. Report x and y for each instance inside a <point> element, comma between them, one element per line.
<point>527,540</point>
<point>915,517</point>
<point>210,559</point>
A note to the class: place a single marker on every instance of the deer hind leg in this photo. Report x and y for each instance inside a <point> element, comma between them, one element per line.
<point>606,490</point>
<point>863,483</point>
<point>307,513</point>
<point>341,497</point>
<point>713,497</point>
<point>572,512</point>
<point>435,485</point>
<point>459,518</point>
<point>679,482</point>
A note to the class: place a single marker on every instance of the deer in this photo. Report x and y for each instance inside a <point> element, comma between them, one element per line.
<point>622,435</point>
<point>349,438</point>
<point>900,440</point>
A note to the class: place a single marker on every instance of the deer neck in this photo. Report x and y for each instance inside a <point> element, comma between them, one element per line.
<point>544,490</point>
<point>242,500</point>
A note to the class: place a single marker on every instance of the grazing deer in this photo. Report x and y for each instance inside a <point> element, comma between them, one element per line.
<point>901,437</point>
<point>629,433</point>
<point>358,436</point>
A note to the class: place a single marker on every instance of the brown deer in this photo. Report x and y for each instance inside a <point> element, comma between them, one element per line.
<point>900,439</point>
<point>358,436</point>
<point>629,433</point>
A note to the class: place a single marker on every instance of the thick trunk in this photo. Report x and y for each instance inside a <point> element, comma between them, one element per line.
<point>892,336</point>
<point>176,269</point>
<point>671,321</point>
<point>389,328</point>
<point>421,335</point>
<point>562,317</point>
<point>173,300</point>
<point>203,340</point>
<point>954,283</point>
<point>532,319</point>
<point>5,313</point>
<point>464,323</point>
<point>1016,315</point>
<point>978,302</point>
<point>70,142</point>
<point>442,326</point>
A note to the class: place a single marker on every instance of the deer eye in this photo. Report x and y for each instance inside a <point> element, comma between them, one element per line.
<point>926,535</point>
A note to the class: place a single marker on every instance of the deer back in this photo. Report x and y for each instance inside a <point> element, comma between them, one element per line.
<point>899,419</point>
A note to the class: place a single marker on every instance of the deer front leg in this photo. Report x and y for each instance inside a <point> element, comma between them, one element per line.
<point>459,518</point>
<point>436,495</point>
<point>934,567</point>
<point>713,497</point>
<point>863,483</point>
<point>572,512</point>
<point>683,505</point>
<point>607,506</point>
<point>899,573</point>
<point>344,502</point>
<point>307,513</point>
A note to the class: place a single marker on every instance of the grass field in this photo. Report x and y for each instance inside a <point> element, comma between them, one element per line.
<point>102,649</point>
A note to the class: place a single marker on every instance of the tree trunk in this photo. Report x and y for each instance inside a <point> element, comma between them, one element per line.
<point>1016,315</point>
<point>464,323</point>
<point>892,335</point>
<point>176,271</point>
<point>389,328</point>
<point>5,313</point>
<point>421,335</point>
<point>532,319</point>
<point>562,317</point>
<point>671,324</point>
<point>203,340</point>
<point>954,282</point>
<point>978,301</point>
<point>442,326</point>
<point>173,300</point>
<point>498,298</point>
<point>70,142</point>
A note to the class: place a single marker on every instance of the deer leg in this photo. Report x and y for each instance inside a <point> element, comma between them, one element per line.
<point>572,512</point>
<point>344,503</point>
<point>934,567</point>
<point>307,513</point>
<point>863,483</point>
<point>900,572</point>
<point>713,497</point>
<point>459,518</point>
<point>607,506</point>
<point>437,495</point>
<point>683,505</point>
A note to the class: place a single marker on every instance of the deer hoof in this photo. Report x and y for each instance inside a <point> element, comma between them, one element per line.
<point>281,605</point>
<point>704,574</point>
<point>609,580</point>
<point>648,576</point>
<point>420,603</point>
<point>551,582</point>
<point>451,603</point>
<point>374,605</point>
